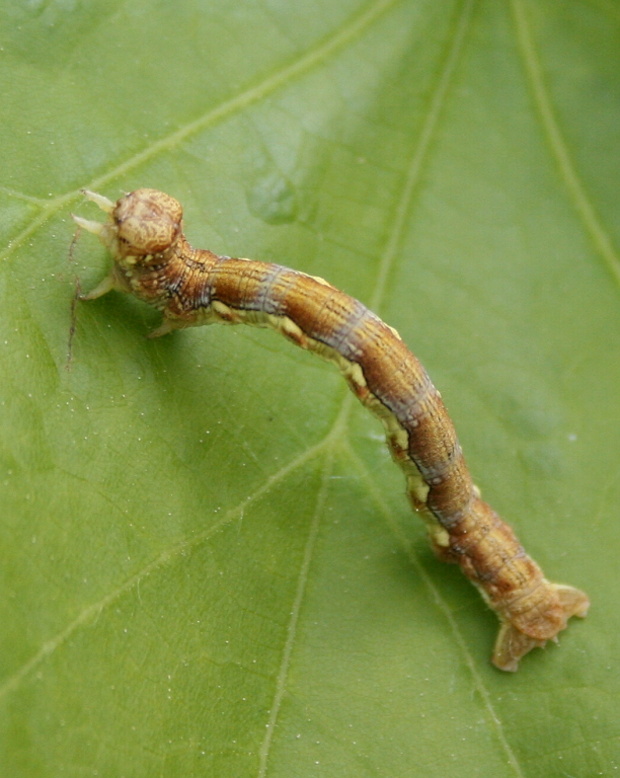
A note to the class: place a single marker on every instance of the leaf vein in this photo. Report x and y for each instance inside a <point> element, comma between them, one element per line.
<point>421,149</point>
<point>558,146</point>
<point>164,558</point>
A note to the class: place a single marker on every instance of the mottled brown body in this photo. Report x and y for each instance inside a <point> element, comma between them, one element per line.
<point>153,260</point>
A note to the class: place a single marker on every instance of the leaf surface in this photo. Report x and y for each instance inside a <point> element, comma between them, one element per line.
<point>208,565</point>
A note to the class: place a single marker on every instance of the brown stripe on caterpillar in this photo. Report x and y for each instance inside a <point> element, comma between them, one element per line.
<point>154,262</point>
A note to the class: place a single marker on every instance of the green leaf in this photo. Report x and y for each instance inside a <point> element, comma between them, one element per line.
<point>208,566</point>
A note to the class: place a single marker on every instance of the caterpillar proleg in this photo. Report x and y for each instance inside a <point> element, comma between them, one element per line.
<point>153,261</point>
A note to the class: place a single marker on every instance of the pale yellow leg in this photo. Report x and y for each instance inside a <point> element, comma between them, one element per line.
<point>103,202</point>
<point>167,325</point>
<point>103,287</point>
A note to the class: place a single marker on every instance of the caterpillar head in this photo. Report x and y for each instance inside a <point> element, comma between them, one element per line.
<point>143,224</point>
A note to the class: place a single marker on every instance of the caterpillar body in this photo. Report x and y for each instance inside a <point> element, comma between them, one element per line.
<point>153,261</point>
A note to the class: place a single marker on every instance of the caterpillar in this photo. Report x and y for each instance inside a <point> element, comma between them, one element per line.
<point>153,260</point>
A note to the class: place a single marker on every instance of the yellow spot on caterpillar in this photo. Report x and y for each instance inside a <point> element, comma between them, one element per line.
<point>419,490</point>
<point>439,536</point>
<point>354,373</point>
<point>291,330</point>
<point>224,312</point>
<point>398,436</point>
<point>321,281</point>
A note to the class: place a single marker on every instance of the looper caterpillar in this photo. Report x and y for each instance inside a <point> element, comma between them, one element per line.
<point>154,262</point>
